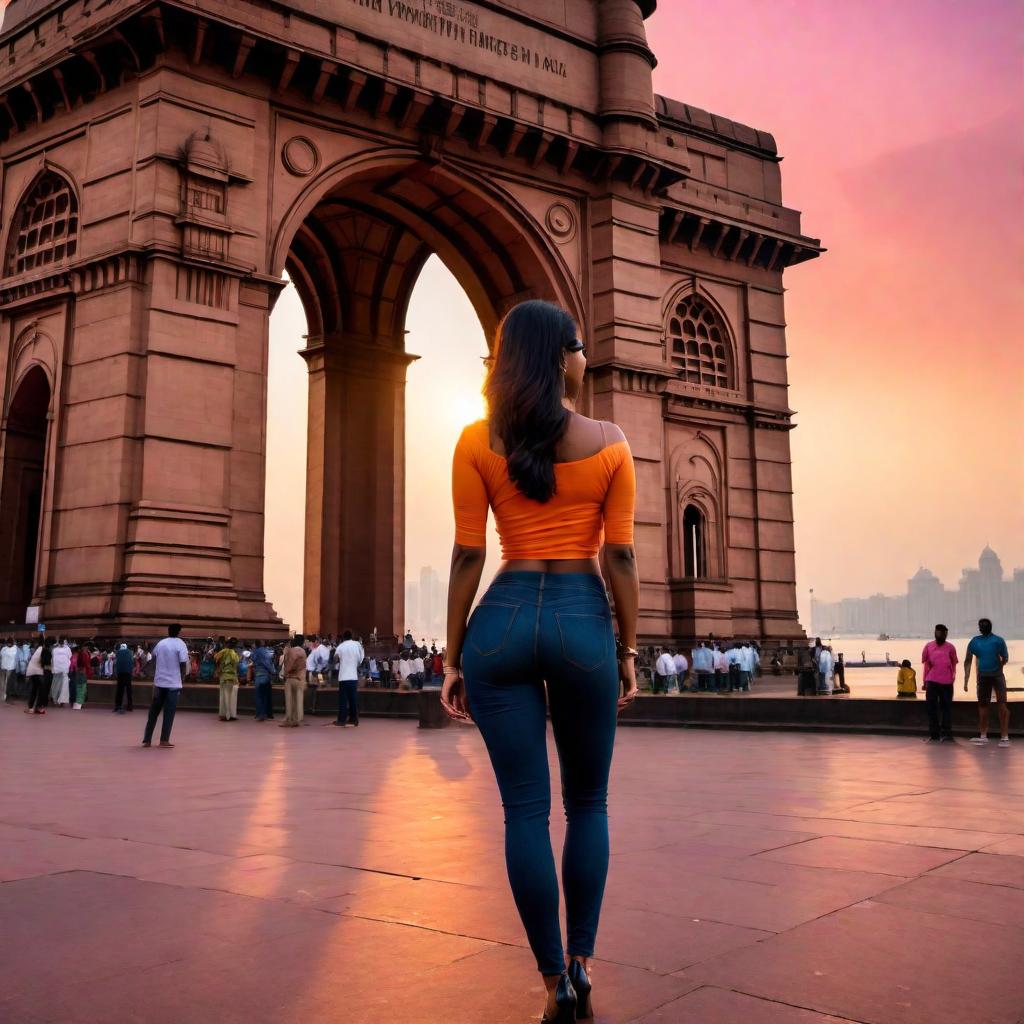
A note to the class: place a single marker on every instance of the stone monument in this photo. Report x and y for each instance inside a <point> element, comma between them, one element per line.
<point>166,163</point>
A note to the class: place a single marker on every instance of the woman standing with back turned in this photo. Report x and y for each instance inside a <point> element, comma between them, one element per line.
<point>556,481</point>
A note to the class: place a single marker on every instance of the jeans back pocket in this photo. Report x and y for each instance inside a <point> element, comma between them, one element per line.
<point>585,639</point>
<point>489,627</point>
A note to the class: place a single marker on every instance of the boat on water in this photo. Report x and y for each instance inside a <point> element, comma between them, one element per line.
<point>884,636</point>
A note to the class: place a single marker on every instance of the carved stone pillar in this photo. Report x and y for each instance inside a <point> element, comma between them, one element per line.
<point>355,490</point>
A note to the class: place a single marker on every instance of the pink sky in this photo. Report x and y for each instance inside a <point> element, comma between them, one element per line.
<point>899,125</point>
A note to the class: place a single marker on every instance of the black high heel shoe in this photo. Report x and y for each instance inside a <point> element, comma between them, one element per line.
<point>581,983</point>
<point>565,1001</point>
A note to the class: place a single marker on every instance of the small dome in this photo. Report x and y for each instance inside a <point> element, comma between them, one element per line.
<point>921,575</point>
<point>204,150</point>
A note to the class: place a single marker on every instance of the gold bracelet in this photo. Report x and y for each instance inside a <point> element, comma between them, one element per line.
<point>452,668</point>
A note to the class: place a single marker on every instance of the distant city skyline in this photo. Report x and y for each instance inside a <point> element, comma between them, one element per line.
<point>983,592</point>
<point>426,605</point>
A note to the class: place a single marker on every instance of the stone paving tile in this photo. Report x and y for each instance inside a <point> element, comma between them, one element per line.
<point>988,869</point>
<point>882,964</point>
<point>748,892</point>
<point>939,894</point>
<point>942,838</point>
<point>501,986</point>
<point>863,855</point>
<point>709,1005</point>
<point>261,875</point>
<point>930,814</point>
<point>278,878</point>
<point>1013,846</point>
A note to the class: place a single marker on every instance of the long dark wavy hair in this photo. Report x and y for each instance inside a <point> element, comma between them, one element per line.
<point>524,390</point>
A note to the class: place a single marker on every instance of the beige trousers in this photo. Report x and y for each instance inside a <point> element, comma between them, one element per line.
<point>293,693</point>
<point>229,700</point>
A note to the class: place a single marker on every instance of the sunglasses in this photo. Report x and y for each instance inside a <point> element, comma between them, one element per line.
<point>578,347</point>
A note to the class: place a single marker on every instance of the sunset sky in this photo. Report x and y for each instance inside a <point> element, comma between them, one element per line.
<point>900,129</point>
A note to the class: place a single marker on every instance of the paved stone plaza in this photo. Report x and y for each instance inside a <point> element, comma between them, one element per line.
<point>257,875</point>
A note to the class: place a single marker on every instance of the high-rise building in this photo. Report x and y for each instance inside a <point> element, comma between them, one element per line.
<point>983,592</point>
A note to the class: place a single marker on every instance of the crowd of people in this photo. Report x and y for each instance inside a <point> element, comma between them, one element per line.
<point>712,667</point>
<point>57,672</point>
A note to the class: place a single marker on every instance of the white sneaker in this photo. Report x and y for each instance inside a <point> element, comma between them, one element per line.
<point>1004,742</point>
<point>76,707</point>
<point>979,739</point>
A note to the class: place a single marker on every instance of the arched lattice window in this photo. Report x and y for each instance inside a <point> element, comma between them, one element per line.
<point>46,226</point>
<point>695,560</point>
<point>699,344</point>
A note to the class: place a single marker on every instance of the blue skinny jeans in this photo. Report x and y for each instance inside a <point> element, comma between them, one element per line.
<point>532,627</point>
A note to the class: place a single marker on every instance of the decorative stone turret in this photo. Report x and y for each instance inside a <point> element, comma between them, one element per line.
<point>626,62</point>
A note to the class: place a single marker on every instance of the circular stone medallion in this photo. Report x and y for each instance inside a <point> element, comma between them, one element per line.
<point>300,157</point>
<point>561,222</point>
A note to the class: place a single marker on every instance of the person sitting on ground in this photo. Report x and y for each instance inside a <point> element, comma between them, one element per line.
<point>839,672</point>
<point>906,681</point>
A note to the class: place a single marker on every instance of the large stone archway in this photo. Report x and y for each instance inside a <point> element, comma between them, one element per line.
<point>356,241</point>
<point>164,166</point>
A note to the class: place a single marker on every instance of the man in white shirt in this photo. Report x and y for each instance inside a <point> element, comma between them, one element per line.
<point>721,668</point>
<point>742,671</point>
<point>404,668</point>
<point>417,671</point>
<point>59,690</point>
<point>703,661</point>
<point>170,666</point>
<point>733,658</point>
<point>825,665</point>
<point>664,673</point>
<point>317,661</point>
<point>8,666</point>
<point>349,657</point>
<point>682,667</point>
<point>751,662</point>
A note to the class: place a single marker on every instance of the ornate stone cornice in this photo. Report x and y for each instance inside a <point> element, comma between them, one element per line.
<point>128,43</point>
<point>731,240</point>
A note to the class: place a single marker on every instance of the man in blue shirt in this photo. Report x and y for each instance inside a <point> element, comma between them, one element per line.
<point>263,676</point>
<point>992,655</point>
<point>703,661</point>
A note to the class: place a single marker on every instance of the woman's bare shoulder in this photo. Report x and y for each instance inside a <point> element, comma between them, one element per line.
<point>606,430</point>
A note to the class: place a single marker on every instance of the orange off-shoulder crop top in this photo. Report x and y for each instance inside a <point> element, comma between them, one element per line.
<point>591,494</point>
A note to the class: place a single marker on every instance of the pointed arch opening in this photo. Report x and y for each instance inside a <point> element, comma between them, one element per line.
<point>699,345</point>
<point>45,229</point>
<point>695,543</point>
